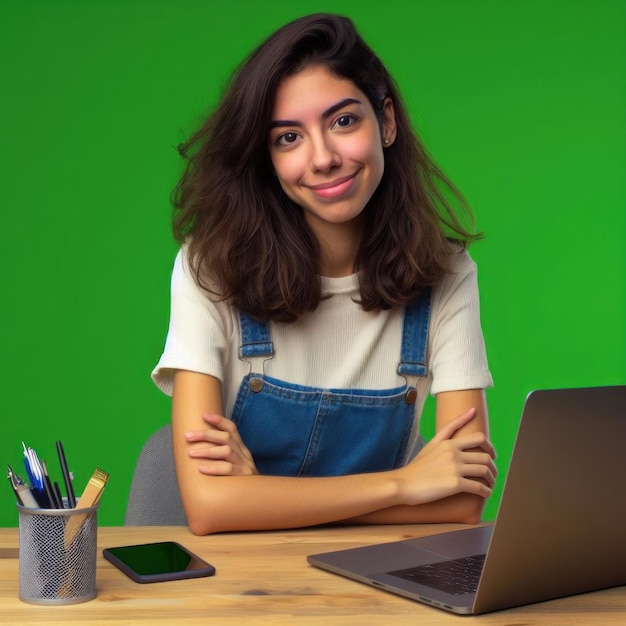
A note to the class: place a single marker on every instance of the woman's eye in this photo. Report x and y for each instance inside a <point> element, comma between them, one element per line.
<point>287,139</point>
<point>343,121</point>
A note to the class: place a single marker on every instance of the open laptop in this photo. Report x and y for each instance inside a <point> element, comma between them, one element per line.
<point>560,528</point>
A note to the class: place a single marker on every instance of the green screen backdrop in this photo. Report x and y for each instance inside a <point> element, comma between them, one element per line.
<point>522,103</point>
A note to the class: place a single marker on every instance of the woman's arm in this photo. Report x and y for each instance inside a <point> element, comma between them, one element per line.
<point>250,501</point>
<point>457,357</point>
<point>463,507</point>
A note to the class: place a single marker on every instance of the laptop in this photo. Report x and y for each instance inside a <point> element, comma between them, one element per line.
<point>560,527</point>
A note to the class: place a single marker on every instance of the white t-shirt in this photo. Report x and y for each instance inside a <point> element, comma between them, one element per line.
<point>338,346</point>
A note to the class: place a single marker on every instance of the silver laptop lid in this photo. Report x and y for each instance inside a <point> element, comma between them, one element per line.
<point>560,525</point>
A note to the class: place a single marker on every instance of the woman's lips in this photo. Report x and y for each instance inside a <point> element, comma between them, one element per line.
<point>333,188</point>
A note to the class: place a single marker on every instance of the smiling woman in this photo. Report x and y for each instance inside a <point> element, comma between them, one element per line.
<point>321,292</point>
<point>326,145</point>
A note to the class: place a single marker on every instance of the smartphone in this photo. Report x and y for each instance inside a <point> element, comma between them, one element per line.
<point>158,562</point>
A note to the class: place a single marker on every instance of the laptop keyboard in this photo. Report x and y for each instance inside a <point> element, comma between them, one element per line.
<point>456,577</point>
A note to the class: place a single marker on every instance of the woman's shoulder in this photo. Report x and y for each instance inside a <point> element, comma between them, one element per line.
<point>461,262</point>
<point>190,275</point>
<point>191,290</point>
<point>460,280</point>
<point>183,281</point>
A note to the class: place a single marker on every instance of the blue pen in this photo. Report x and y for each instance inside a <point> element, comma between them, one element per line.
<point>29,471</point>
<point>36,476</point>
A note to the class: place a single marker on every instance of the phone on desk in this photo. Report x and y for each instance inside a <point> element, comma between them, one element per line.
<point>158,562</point>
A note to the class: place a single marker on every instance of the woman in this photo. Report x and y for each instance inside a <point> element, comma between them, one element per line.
<point>321,291</point>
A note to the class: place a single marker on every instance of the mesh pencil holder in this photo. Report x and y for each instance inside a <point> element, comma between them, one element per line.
<point>58,555</point>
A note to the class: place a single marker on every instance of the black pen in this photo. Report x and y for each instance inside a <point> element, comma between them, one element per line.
<point>67,479</point>
<point>55,501</point>
<point>47,486</point>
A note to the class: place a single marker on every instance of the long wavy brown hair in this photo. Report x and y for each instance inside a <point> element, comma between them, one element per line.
<point>250,245</point>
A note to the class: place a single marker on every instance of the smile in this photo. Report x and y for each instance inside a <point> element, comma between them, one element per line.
<point>333,188</point>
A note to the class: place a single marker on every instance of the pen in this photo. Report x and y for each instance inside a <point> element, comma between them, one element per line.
<point>36,475</point>
<point>22,491</point>
<point>55,501</point>
<point>29,470</point>
<point>58,494</point>
<point>67,478</point>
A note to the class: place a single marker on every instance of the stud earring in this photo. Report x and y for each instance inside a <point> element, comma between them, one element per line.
<point>386,142</point>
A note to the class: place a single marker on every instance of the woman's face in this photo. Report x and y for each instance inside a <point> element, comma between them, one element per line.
<point>326,145</point>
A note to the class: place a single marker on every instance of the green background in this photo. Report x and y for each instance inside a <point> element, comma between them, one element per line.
<point>521,102</point>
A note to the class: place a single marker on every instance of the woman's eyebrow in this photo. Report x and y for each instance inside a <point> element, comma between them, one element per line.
<point>327,113</point>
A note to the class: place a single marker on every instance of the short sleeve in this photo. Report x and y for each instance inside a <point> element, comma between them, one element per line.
<point>457,347</point>
<point>198,327</point>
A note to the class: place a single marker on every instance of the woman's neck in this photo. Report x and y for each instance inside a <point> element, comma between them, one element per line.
<point>338,251</point>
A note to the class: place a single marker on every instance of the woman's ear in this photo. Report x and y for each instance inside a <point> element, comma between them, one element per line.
<point>389,123</point>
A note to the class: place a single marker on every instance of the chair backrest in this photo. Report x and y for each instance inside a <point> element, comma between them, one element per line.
<point>154,498</point>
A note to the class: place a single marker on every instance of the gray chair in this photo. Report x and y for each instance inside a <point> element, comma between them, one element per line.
<point>154,498</point>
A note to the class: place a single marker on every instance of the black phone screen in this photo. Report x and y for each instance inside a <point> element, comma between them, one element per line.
<point>153,562</point>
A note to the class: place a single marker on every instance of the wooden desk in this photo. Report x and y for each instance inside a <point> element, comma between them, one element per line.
<point>263,578</point>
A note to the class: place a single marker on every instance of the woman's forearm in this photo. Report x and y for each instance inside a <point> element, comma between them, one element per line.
<point>231,503</point>
<point>268,502</point>
<point>463,508</point>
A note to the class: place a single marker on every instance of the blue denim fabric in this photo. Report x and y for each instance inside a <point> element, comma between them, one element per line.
<point>295,430</point>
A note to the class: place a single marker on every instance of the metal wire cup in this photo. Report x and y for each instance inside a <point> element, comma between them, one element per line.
<point>58,555</point>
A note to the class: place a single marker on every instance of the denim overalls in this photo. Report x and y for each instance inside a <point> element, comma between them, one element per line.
<point>295,430</point>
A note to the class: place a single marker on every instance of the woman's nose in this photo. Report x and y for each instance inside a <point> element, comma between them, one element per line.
<point>324,155</point>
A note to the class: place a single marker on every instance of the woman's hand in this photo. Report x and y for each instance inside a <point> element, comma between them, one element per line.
<point>220,448</point>
<point>448,465</point>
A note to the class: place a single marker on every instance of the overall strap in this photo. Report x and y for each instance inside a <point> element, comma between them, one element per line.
<point>415,337</point>
<point>255,338</point>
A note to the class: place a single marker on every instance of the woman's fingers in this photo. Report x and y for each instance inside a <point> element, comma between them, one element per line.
<point>220,432</point>
<point>221,447</point>
<point>214,452</point>
<point>217,420</point>
<point>486,472</point>
<point>449,465</point>
<point>476,440</point>
<point>223,461</point>
<point>451,427</point>
<point>217,468</point>
<point>477,487</point>
<point>213,436</point>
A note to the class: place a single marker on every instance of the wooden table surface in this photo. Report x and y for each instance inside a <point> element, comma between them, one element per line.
<point>264,578</point>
